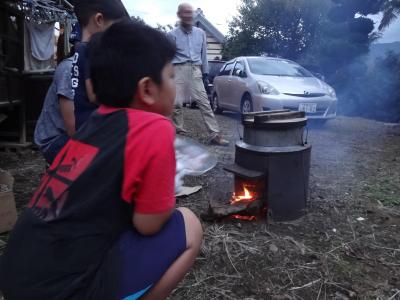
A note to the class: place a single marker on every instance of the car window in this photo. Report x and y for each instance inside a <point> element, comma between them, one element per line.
<point>227,70</point>
<point>276,67</point>
<point>215,69</point>
<point>239,66</point>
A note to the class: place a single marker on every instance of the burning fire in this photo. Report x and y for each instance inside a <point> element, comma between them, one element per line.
<point>243,199</point>
<point>246,193</point>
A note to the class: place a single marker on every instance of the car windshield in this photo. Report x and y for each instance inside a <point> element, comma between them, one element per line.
<point>276,67</point>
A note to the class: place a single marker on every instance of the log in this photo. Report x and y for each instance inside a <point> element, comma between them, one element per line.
<point>219,211</point>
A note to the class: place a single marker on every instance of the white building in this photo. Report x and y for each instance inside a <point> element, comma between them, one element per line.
<point>215,38</point>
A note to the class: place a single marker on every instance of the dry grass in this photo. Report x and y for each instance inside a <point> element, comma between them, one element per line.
<point>329,254</point>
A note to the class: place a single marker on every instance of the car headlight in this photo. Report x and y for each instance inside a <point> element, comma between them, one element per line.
<point>266,88</point>
<point>331,91</point>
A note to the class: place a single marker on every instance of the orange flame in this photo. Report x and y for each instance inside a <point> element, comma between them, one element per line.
<point>246,198</point>
<point>248,195</point>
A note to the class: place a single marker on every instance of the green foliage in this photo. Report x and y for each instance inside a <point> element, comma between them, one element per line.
<point>385,190</point>
<point>325,33</point>
<point>138,19</point>
<point>344,34</point>
<point>391,11</point>
<point>164,28</point>
<point>280,27</point>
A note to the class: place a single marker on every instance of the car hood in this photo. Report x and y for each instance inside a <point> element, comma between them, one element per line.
<point>294,85</point>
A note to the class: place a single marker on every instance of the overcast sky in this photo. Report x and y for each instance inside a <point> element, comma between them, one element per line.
<point>218,12</point>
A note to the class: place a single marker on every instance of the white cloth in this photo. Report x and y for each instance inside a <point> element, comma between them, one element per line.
<point>31,63</point>
<point>42,40</point>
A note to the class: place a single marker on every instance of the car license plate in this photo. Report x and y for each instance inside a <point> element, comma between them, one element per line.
<point>308,107</point>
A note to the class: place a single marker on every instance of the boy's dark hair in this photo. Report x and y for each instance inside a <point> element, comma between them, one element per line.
<point>111,10</point>
<point>124,54</point>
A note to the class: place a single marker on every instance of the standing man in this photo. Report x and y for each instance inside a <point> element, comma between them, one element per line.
<point>191,66</point>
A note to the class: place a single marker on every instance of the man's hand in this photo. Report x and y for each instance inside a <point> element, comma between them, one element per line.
<point>206,81</point>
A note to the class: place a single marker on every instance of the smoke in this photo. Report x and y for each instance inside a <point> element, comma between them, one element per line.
<point>370,87</point>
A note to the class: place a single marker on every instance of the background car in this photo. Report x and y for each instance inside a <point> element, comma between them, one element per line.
<point>247,84</point>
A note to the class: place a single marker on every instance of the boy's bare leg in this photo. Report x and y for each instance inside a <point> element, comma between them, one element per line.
<point>177,271</point>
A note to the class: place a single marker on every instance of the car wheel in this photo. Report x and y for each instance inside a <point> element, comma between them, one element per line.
<point>214,104</point>
<point>247,105</point>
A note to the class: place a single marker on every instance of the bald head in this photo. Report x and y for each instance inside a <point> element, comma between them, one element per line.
<point>184,6</point>
<point>185,14</point>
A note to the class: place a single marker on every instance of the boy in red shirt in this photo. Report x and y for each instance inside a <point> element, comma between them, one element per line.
<point>103,223</point>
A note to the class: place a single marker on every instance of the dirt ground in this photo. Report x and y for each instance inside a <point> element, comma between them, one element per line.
<point>346,247</point>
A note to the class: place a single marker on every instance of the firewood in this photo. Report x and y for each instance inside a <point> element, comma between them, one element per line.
<point>219,211</point>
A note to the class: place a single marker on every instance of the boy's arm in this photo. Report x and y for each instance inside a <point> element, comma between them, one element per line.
<point>67,113</point>
<point>150,224</point>
<point>149,177</point>
<point>65,95</point>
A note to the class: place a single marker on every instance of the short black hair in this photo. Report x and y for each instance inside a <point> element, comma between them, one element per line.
<point>124,54</point>
<point>111,10</point>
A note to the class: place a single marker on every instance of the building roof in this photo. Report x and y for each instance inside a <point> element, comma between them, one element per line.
<point>205,24</point>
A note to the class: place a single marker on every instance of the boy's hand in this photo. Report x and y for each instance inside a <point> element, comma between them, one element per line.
<point>150,224</point>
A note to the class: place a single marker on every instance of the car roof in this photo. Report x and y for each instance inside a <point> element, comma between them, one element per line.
<point>265,57</point>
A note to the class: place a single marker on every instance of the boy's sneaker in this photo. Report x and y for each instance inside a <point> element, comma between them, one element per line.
<point>219,141</point>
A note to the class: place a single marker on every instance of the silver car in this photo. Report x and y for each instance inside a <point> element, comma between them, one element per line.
<point>247,84</point>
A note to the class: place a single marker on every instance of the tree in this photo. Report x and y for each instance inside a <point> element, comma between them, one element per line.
<point>138,20</point>
<point>164,28</point>
<point>391,11</point>
<point>280,27</point>
<point>344,34</point>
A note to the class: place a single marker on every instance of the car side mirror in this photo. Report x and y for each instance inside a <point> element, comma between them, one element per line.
<point>240,73</point>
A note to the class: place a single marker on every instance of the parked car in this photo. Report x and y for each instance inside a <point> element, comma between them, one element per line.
<point>215,67</point>
<point>247,84</point>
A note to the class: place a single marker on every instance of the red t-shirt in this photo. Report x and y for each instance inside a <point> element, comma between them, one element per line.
<point>149,164</point>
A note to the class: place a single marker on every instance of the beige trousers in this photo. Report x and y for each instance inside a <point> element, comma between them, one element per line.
<point>189,84</point>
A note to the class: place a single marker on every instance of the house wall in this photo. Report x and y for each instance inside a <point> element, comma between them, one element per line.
<point>214,48</point>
